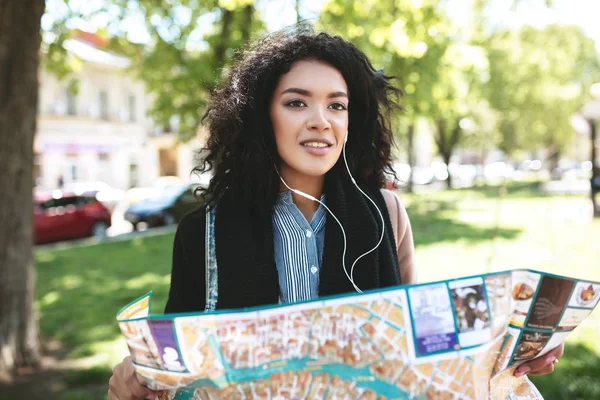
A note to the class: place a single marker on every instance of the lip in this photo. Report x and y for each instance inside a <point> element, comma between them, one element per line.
<point>317,151</point>
<point>318,140</point>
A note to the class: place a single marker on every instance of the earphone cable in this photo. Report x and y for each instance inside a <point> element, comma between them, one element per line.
<point>350,276</point>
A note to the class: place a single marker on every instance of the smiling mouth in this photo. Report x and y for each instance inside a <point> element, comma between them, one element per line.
<point>316,145</point>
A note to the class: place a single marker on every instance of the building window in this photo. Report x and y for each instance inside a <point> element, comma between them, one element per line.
<point>71,103</point>
<point>133,175</point>
<point>105,168</point>
<point>131,104</point>
<point>103,105</point>
<point>71,172</point>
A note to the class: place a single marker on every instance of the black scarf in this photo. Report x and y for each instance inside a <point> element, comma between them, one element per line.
<point>245,256</point>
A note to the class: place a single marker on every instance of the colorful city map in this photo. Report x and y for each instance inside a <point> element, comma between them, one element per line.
<point>458,339</point>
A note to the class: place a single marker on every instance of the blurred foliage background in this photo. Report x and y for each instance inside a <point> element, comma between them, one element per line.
<point>517,87</point>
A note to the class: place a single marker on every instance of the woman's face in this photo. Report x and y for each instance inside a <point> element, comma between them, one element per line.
<point>309,113</point>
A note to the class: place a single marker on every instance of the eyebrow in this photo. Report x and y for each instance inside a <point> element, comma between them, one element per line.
<point>305,92</point>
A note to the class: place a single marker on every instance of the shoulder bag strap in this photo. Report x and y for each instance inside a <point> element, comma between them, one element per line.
<point>212,279</point>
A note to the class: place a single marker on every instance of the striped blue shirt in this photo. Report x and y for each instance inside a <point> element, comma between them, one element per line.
<point>298,246</point>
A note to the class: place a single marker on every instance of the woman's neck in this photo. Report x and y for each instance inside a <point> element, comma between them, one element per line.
<point>312,185</point>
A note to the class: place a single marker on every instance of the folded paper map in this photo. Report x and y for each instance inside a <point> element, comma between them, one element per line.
<point>456,339</point>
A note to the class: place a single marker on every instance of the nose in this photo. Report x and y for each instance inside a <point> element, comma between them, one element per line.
<point>318,121</point>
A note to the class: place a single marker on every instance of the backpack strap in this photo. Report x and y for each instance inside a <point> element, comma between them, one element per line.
<point>391,201</point>
<point>402,235</point>
<point>212,278</point>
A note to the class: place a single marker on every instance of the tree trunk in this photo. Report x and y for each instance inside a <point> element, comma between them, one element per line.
<point>19,60</point>
<point>247,23</point>
<point>411,155</point>
<point>595,168</point>
<point>553,159</point>
<point>446,157</point>
<point>221,47</point>
<point>479,176</point>
<point>445,144</point>
<point>298,16</point>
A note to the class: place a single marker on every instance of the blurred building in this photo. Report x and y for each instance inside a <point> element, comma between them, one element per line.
<point>100,131</point>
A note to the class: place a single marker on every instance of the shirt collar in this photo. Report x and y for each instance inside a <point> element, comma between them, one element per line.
<point>286,197</point>
<point>285,200</point>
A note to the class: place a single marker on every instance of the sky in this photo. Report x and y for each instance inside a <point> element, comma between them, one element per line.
<point>584,13</point>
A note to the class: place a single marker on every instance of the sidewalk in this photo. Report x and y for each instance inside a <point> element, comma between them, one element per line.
<point>94,241</point>
<point>567,186</point>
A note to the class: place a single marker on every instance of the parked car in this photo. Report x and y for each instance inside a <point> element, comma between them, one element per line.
<point>137,194</point>
<point>165,207</point>
<point>106,194</point>
<point>67,216</point>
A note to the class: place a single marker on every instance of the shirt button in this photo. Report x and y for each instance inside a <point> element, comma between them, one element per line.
<point>308,233</point>
<point>313,269</point>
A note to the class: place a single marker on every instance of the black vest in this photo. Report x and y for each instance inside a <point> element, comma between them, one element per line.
<point>244,248</point>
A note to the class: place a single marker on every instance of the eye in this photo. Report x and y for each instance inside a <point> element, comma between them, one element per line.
<point>295,103</point>
<point>338,106</point>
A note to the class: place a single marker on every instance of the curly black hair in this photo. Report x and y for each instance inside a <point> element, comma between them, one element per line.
<point>241,146</point>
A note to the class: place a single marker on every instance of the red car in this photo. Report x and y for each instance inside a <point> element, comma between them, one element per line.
<point>69,217</point>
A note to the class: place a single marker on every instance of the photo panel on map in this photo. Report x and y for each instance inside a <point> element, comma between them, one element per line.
<point>471,311</point>
<point>142,347</point>
<point>586,295</point>
<point>572,317</point>
<point>433,319</point>
<point>498,289</point>
<point>530,345</point>
<point>524,285</point>
<point>164,335</point>
<point>551,299</point>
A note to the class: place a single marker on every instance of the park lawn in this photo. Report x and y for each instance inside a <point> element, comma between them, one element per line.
<point>454,233</point>
<point>80,290</point>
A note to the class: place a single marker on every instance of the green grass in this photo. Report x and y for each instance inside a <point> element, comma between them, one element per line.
<point>80,290</point>
<point>453,233</point>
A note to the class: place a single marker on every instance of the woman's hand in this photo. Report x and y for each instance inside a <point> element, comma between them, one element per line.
<point>124,384</point>
<point>543,365</point>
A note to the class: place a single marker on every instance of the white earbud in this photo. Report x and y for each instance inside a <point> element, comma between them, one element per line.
<point>308,196</point>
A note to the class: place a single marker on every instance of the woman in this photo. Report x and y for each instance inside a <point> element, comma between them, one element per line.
<point>300,143</point>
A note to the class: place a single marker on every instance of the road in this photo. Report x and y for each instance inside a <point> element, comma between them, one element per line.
<point>123,230</point>
<point>121,227</point>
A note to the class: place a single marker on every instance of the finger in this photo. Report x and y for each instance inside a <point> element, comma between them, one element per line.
<point>548,369</point>
<point>112,395</point>
<point>535,365</point>
<point>133,383</point>
<point>558,351</point>
<point>550,358</point>
<point>116,383</point>
<point>137,389</point>
<point>113,384</point>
